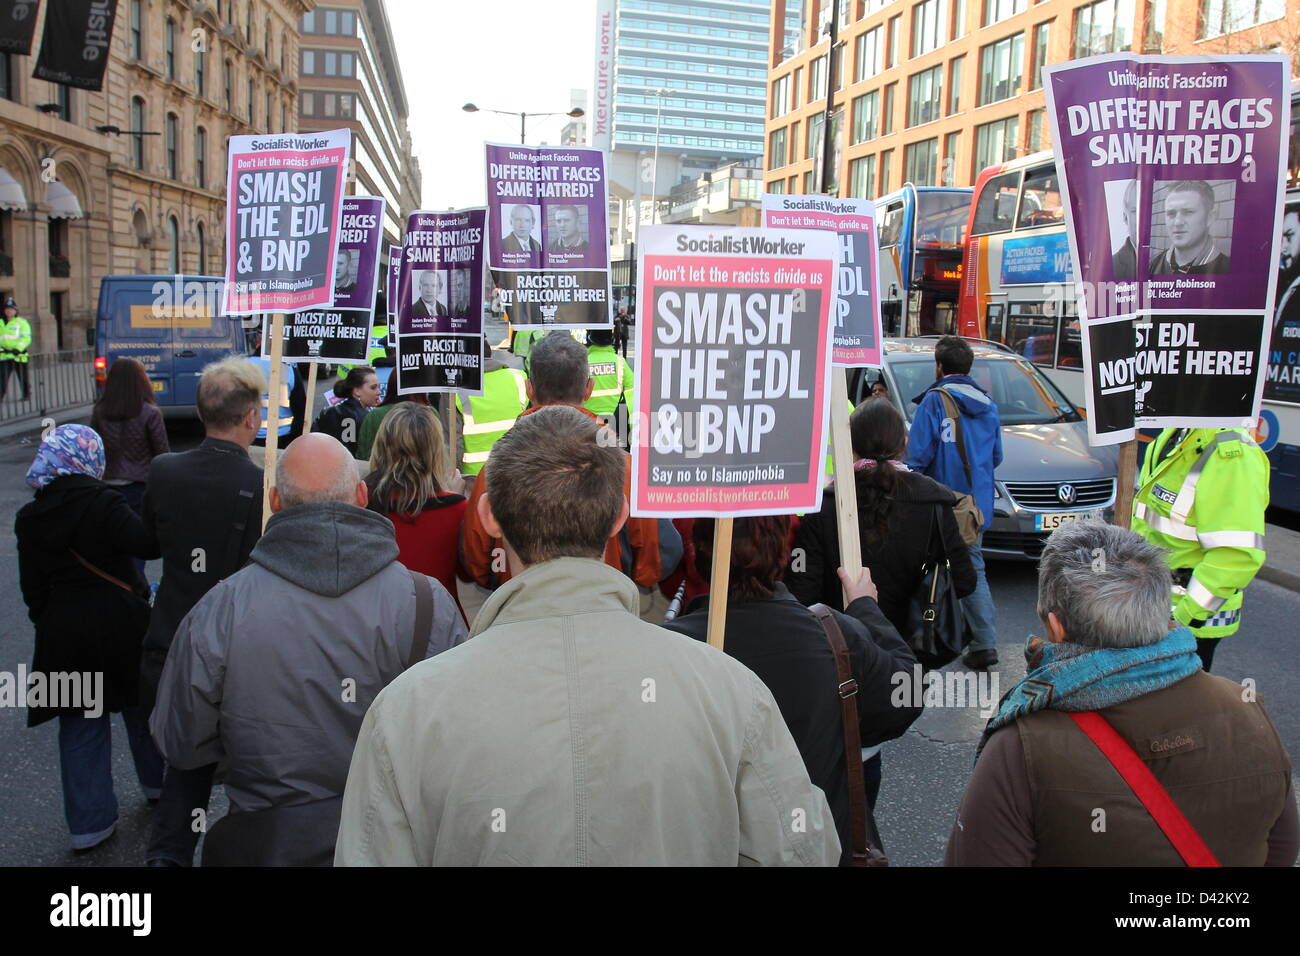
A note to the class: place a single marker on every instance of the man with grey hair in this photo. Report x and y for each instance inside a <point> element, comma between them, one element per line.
<point>204,508</point>
<point>646,550</point>
<point>1117,749</point>
<point>273,670</point>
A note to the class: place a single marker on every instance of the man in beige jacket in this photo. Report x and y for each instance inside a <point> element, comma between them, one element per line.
<point>568,731</point>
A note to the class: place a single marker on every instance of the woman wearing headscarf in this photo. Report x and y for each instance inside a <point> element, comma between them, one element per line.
<point>76,541</point>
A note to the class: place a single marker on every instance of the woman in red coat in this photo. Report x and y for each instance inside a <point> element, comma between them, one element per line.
<point>414,487</point>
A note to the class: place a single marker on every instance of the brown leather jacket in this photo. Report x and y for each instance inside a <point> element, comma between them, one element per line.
<point>1042,793</point>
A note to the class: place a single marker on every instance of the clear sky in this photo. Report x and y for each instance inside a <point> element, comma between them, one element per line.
<point>498,54</point>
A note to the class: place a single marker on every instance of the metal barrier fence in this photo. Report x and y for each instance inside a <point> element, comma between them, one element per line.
<point>56,381</point>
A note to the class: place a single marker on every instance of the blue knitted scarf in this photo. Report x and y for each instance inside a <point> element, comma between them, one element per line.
<point>1074,678</point>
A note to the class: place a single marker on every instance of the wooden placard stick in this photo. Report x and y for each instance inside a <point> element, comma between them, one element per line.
<point>272,413</point>
<point>719,581</point>
<point>311,398</point>
<point>846,487</point>
<point>449,426</point>
<point>1128,457</point>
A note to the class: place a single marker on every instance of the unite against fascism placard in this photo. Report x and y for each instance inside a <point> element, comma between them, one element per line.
<point>440,303</point>
<point>284,193</point>
<point>1171,180</point>
<point>857,330</point>
<point>548,240</point>
<point>342,334</point>
<point>733,347</point>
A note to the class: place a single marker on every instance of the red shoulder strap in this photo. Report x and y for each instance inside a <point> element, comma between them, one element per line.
<point>1147,788</point>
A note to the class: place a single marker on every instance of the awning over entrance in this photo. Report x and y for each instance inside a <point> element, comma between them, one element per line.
<point>62,202</point>
<point>12,197</point>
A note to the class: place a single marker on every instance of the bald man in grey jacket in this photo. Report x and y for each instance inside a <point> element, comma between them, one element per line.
<point>272,671</point>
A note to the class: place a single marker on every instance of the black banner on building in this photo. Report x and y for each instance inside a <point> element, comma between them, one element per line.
<point>75,42</point>
<point>17,25</point>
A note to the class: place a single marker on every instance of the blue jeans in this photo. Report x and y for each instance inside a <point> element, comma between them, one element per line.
<point>86,767</point>
<point>977,607</point>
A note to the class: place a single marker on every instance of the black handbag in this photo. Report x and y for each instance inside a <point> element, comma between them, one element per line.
<point>934,620</point>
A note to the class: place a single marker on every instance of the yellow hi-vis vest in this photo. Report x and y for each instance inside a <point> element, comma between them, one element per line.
<point>613,380</point>
<point>15,339</point>
<point>1204,504</point>
<point>490,415</point>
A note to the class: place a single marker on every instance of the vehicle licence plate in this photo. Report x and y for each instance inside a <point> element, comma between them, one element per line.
<point>1052,521</point>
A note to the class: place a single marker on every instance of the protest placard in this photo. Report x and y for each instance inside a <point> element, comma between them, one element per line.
<point>342,335</point>
<point>1283,378</point>
<point>1172,175</point>
<point>857,330</point>
<point>284,199</point>
<point>733,351</point>
<point>440,303</point>
<point>548,240</point>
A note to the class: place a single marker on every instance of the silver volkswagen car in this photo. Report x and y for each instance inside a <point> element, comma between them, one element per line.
<point>1049,474</point>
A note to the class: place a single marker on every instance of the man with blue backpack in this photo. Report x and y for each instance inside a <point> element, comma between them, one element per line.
<point>956,439</point>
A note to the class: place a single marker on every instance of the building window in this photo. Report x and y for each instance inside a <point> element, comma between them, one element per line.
<point>921,162</point>
<point>1035,137</point>
<point>1154,40</point>
<point>817,79</point>
<point>868,55</point>
<point>892,53</point>
<point>1104,27</point>
<point>1038,56</point>
<point>886,162</point>
<point>958,18</point>
<point>229,79</point>
<point>248,23</point>
<point>250,101</point>
<point>267,114</point>
<point>201,157</point>
<point>137,128</point>
<point>1228,16</point>
<point>174,253</point>
<point>201,72</point>
<point>780,96</point>
<point>1002,66</point>
<point>776,148</point>
<point>137,30</point>
<point>173,167</point>
<point>862,177</point>
<point>924,96</point>
<point>169,38</point>
<point>777,188</point>
<point>63,97</point>
<point>866,113</point>
<point>950,159</point>
<point>928,26</point>
<point>816,123</point>
<point>887,125</point>
<point>8,90</point>
<point>796,88</point>
<point>203,250</point>
<point>996,142</point>
<point>284,118</point>
<point>998,10</point>
<point>954,85</point>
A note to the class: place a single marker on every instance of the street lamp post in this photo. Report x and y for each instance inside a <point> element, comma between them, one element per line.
<point>659,95</point>
<point>576,112</point>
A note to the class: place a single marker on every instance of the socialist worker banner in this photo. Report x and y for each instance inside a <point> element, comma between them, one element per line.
<point>734,349</point>
<point>858,330</point>
<point>440,303</point>
<point>547,235</point>
<point>1171,182</point>
<point>284,200</point>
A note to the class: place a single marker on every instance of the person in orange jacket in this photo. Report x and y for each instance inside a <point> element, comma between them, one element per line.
<point>647,549</point>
